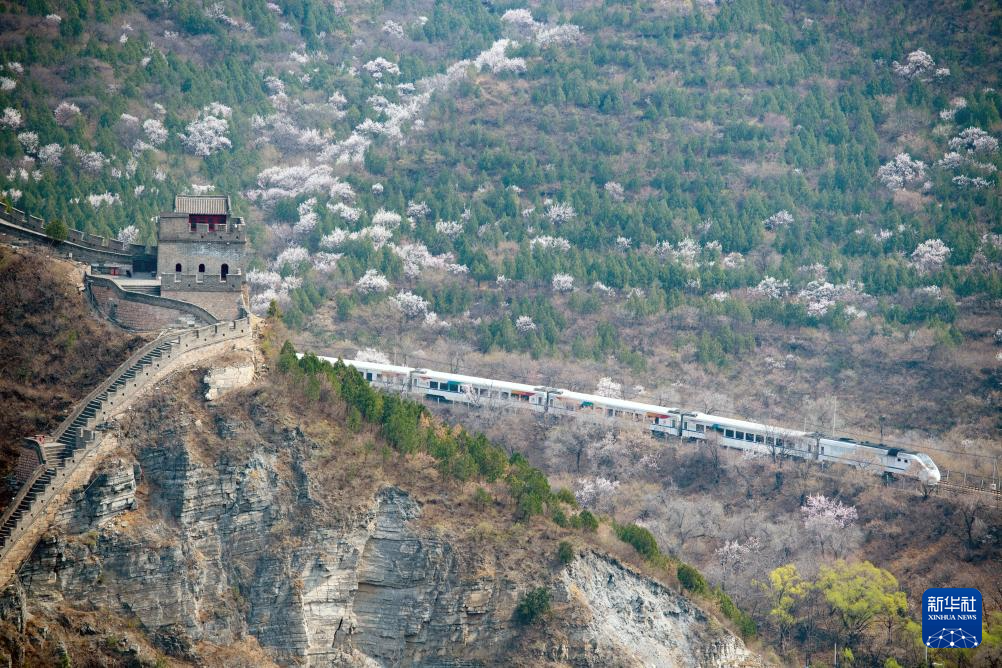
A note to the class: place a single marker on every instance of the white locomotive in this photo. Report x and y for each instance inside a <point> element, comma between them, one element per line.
<point>660,420</point>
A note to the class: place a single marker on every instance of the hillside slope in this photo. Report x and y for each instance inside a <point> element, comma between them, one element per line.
<point>53,348</point>
<point>260,528</point>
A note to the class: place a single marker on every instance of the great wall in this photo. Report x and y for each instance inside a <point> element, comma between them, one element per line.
<point>67,457</point>
<point>51,466</point>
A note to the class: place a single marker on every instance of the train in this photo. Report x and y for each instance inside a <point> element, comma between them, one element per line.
<point>661,421</point>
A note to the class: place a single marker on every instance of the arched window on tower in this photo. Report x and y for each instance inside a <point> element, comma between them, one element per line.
<point>224,270</point>
<point>201,268</point>
<point>177,268</point>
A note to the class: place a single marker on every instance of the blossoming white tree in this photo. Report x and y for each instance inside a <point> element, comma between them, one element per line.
<point>50,155</point>
<point>559,212</point>
<point>156,132</point>
<point>128,235</point>
<point>412,306</point>
<point>607,387</point>
<point>29,142</point>
<point>372,355</point>
<point>930,256</point>
<point>779,219</point>
<point>771,287</point>
<point>550,243</point>
<point>372,282</point>
<point>206,134</point>
<point>597,493</point>
<point>11,119</point>
<point>828,520</point>
<point>901,171</point>
<point>975,140</point>
<point>562,283</point>
<point>449,228</point>
<point>524,324</point>
<point>919,65</point>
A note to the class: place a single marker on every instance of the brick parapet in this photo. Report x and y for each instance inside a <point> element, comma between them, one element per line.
<point>76,240</point>
<point>141,311</point>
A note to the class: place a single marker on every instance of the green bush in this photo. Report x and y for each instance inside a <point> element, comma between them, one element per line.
<point>56,230</point>
<point>692,579</point>
<point>640,538</point>
<point>559,517</point>
<point>565,495</point>
<point>482,498</point>
<point>585,520</point>
<point>565,553</point>
<point>746,625</point>
<point>534,605</point>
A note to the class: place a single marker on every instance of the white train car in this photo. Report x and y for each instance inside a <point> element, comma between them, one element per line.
<point>593,406</point>
<point>754,436</point>
<point>879,458</point>
<point>385,376</point>
<point>660,420</point>
<point>454,387</point>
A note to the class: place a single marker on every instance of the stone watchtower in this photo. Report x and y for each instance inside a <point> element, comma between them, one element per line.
<point>201,251</point>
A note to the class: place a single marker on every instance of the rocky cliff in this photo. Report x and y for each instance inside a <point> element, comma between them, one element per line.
<point>233,525</point>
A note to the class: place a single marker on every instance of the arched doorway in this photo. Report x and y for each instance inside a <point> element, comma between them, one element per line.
<point>201,268</point>
<point>224,270</point>
<point>177,268</point>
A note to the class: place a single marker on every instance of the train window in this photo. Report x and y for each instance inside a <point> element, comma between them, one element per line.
<point>758,438</point>
<point>779,442</point>
<point>504,395</point>
<point>368,375</point>
<point>749,436</point>
<point>701,428</point>
<point>434,384</point>
<point>822,449</point>
<point>769,440</point>
<point>729,433</point>
<point>740,435</point>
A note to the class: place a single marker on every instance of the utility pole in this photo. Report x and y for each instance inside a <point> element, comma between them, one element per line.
<point>834,412</point>
<point>881,418</point>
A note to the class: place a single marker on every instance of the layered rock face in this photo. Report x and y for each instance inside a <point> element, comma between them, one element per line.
<point>638,622</point>
<point>200,549</point>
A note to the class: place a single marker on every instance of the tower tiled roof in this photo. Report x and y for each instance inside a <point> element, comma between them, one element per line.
<point>202,204</point>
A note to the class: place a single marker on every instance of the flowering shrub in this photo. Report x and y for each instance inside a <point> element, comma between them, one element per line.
<point>495,60</point>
